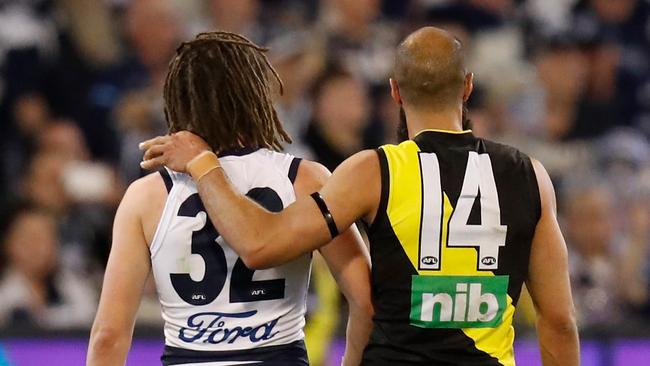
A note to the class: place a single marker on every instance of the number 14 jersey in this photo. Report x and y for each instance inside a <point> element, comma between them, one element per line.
<point>450,248</point>
<point>210,300</point>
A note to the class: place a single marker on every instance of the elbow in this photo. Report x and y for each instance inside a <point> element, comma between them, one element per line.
<point>255,258</point>
<point>266,251</point>
<point>105,342</point>
<point>560,322</point>
<point>363,311</point>
<point>361,307</point>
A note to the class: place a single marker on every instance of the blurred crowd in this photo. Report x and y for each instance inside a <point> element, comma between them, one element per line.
<point>81,84</point>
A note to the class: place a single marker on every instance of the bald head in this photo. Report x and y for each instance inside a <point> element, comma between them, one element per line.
<point>430,69</point>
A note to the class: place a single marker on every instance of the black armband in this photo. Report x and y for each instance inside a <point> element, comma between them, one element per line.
<point>327,215</point>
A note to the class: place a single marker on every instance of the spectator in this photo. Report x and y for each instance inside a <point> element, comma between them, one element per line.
<point>358,39</point>
<point>238,16</point>
<point>541,119</point>
<point>341,114</point>
<point>127,100</point>
<point>387,114</point>
<point>621,71</point>
<point>624,158</point>
<point>91,30</point>
<point>34,289</point>
<point>635,274</point>
<point>298,60</point>
<point>82,198</point>
<point>595,255</point>
<point>596,108</point>
<point>30,115</point>
<point>501,9</point>
<point>43,185</point>
<point>561,73</point>
<point>63,138</point>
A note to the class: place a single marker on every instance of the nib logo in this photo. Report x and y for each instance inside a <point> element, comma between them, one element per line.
<point>458,301</point>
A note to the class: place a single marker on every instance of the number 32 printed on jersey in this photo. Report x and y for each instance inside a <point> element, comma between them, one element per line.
<point>242,286</point>
<point>487,237</point>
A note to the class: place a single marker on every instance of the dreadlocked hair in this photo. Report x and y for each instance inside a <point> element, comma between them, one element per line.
<point>218,87</point>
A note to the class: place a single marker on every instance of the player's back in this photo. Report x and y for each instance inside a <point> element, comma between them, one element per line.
<point>450,248</point>
<point>214,307</point>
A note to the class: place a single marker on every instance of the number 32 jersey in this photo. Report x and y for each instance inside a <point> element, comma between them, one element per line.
<point>450,248</point>
<point>211,302</point>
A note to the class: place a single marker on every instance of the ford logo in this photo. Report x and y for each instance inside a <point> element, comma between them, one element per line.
<point>429,260</point>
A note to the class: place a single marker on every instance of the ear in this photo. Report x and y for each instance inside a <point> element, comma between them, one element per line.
<point>469,86</point>
<point>394,91</point>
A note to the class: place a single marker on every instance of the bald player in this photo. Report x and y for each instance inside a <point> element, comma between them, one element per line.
<point>457,224</point>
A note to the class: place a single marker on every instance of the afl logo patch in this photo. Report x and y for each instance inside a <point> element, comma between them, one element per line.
<point>429,260</point>
<point>489,260</point>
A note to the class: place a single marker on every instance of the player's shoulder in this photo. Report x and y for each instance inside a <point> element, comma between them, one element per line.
<point>313,173</point>
<point>509,157</point>
<point>264,159</point>
<point>402,146</point>
<point>144,202</point>
<point>364,157</point>
<point>495,147</point>
<point>544,182</point>
<point>310,176</point>
<point>313,170</point>
<point>362,168</point>
<point>510,161</point>
<point>146,189</point>
<point>504,151</point>
<point>147,183</point>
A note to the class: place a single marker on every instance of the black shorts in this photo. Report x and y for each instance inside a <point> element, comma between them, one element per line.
<point>290,354</point>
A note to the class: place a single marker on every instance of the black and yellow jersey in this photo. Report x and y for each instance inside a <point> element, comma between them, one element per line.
<point>450,248</point>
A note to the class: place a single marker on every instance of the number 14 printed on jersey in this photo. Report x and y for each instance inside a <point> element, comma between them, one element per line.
<point>488,237</point>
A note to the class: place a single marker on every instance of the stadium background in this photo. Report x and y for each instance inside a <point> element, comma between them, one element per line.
<point>567,81</point>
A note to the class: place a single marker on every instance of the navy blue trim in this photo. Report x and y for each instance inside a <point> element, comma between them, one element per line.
<point>293,169</point>
<point>238,152</point>
<point>293,353</point>
<point>167,179</point>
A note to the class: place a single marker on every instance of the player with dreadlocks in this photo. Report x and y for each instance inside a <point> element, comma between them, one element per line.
<point>218,87</point>
<point>220,308</point>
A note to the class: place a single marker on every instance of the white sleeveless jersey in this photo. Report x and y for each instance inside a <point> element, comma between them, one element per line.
<point>210,300</point>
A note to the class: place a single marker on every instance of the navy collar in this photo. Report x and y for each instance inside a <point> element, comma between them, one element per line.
<point>238,152</point>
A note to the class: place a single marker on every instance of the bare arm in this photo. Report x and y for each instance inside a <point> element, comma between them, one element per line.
<point>261,238</point>
<point>349,262</point>
<point>548,283</point>
<point>126,272</point>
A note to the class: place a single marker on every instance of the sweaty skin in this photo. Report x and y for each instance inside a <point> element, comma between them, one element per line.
<point>353,193</point>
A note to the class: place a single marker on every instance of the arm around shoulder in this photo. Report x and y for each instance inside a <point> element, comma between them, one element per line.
<point>353,191</point>
<point>275,238</point>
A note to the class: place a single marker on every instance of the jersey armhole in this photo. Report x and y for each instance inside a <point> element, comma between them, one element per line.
<point>159,234</point>
<point>385,188</point>
<point>167,179</point>
<point>535,192</point>
<point>293,169</point>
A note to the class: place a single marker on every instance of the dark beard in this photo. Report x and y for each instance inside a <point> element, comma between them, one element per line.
<point>467,123</point>
<point>403,130</point>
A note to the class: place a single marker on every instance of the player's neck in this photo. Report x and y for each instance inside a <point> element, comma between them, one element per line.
<point>446,120</point>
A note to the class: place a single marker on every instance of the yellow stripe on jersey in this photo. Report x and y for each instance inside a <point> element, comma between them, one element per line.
<point>444,131</point>
<point>404,203</point>
<point>404,213</point>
